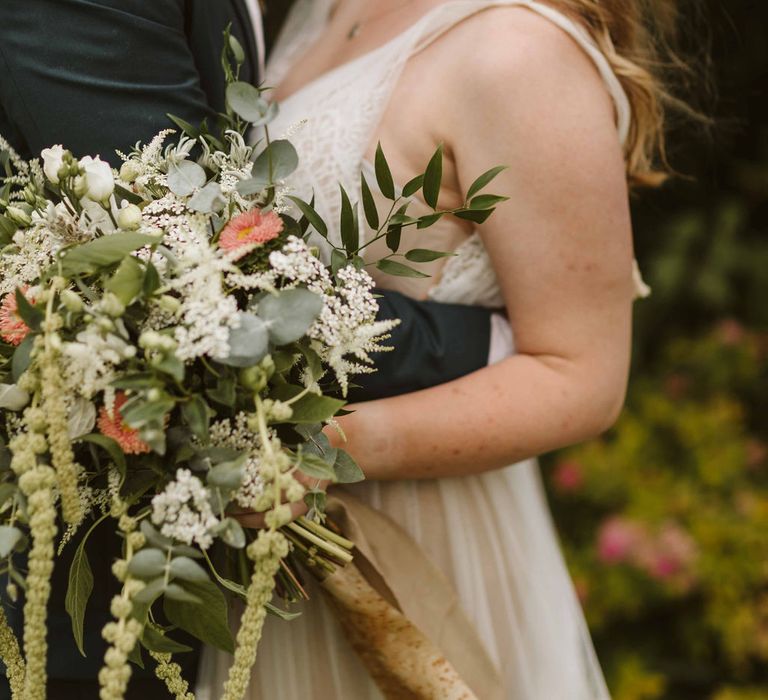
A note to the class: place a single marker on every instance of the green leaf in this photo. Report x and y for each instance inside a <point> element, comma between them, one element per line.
<point>7,229</point>
<point>433,178</point>
<point>413,186</point>
<point>147,563</point>
<point>208,199</point>
<point>246,101</point>
<point>315,466</point>
<point>350,234</point>
<point>282,614</point>
<point>102,252</point>
<point>486,201</point>
<point>146,596</point>
<point>78,592</point>
<point>311,215</point>
<point>249,343</point>
<point>346,469</point>
<point>185,177</point>
<point>137,414</point>
<point>428,220</point>
<point>22,356</point>
<point>315,409</point>
<point>477,216</point>
<point>128,280</point>
<point>12,398</point>
<point>174,591</point>
<point>276,162</point>
<point>236,49</point>
<point>339,260</point>
<point>30,314</point>
<point>151,280</point>
<point>392,267</point>
<point>155,538</point>
<point>422,255</point>
<point>196,415</point>
<point>154,640</point>
<point>110,446</point>
<point>121,193</point>
<point>227,475</point>
<point>384,174</point>
<point>369,204</point>
<point>137,380</point>
<point>187,570</point>
<point>289,314</point>
<point>206,621</point>
<point>9,538</point>
<point>483,180</point>
<point>394,231</point>
<point>224,392</point>
<point>185,126</point>
<point>231,532</point>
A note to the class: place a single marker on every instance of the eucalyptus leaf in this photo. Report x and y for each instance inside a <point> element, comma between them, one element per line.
<point>207,621</point>
<point>185,177</point>
<point>231,532</point>
<point>12,398</point>
<point>227,475</point>
<point>208,199</point>
<point>249,343</point>
<point>78,592</point>
<point>153,536</point>
<point>315,409</point>
<point>147,563</point>
<point>289,314</point>
<point>276,162</point>
<point>187,569</point>
<point>81,418</point>
<point>9,538</point>
<point>315,466</point>
<point>346,469</point>
<point>147,595</point>
<point>246,101</point>
<point>22,356</point>
<point>175,592</point>
<point>196,415</point>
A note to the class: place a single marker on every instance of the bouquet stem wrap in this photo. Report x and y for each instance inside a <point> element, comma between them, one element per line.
<point>401,614</point>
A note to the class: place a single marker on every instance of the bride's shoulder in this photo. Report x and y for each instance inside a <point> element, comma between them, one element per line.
<point>516,48</point>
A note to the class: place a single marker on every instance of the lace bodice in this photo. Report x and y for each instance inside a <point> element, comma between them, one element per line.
<point>332,120</point>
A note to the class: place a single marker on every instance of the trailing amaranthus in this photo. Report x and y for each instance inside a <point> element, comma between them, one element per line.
<point>265,551</point>
<point>170,674</point>
<point>123,633</point>
<point>63,459</point>
<point>11,654</point>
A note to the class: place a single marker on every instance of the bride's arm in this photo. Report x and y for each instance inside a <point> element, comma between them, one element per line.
<point>562,251</point>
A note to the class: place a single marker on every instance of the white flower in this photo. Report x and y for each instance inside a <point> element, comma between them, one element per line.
<point>12,398</point>
<point>98,180</point>
<point>129,217</point>
<point>183,511</point>
<point>53,159</point>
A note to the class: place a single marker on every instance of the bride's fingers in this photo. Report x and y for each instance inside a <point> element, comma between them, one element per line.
<point>254,520</point>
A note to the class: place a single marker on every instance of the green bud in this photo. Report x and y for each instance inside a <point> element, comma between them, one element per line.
<point>129,217</point>
<point>18,216</point>
<point>169,304</point>
<point>254,379</point>
<point>64,171</point>
<point>29,196</point>
<point>129,171</point>
<point>112,306</point>
<point>72,301</point>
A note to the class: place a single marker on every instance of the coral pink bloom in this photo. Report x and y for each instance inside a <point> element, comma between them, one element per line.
<point>250,228</point>
<point>12,328</point>
<point>673,553</point>
<point>568,476</point>
<point>112,425</point>
<point>618,540</point>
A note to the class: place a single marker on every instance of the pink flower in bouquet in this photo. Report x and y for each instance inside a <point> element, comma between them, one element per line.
<point>12,328</point>
<point>618,540</point>
<point>112,425</point>
<point>568,476</point>
<point>249,229</point>
<point>731,332</point>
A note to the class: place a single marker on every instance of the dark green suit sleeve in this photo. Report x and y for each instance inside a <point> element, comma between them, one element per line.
<point>95,75</point>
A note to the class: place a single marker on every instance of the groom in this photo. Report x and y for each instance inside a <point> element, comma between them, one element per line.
<point>97,75</point>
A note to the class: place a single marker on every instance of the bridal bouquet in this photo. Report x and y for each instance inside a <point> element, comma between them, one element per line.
<point>171,348</point>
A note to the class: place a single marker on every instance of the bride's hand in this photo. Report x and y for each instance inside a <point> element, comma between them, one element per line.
<point>252,519</point>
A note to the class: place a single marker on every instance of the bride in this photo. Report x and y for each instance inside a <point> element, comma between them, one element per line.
<point>549,90</point>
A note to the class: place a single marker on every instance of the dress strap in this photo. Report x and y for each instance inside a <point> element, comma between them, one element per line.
<point>451,13</point>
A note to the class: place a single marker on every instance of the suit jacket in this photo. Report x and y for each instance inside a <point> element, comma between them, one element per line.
<point>97,75</point>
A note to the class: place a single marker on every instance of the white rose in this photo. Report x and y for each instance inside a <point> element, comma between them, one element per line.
<point>129,217</point>
<point>98,179</point>
<point>53,159</point>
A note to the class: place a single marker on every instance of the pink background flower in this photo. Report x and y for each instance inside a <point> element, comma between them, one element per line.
<point>12,329</point>
<point>112,425</point>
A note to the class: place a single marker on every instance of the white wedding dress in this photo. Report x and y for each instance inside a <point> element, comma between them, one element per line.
<point>491,534</point>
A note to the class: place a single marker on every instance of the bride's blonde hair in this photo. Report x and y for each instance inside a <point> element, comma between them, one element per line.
<point>635,37</point>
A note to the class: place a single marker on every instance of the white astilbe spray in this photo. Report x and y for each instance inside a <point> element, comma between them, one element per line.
<point>207,311</point>
<point>183,511</point>
<point>33,251</point>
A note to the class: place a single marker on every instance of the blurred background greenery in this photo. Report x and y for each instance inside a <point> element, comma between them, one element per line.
<point>665,519</point>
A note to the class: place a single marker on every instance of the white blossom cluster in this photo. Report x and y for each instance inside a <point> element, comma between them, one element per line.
<point>91,360</point>
<point>207,311</point>
<point>183,510</point>
<point>33,250</point>
<point>237,435</point>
